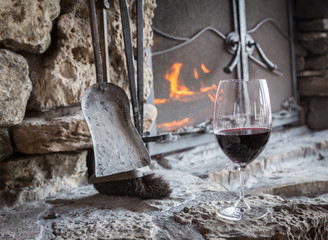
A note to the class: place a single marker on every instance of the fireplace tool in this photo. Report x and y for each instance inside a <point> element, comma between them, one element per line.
<point>118,147</point>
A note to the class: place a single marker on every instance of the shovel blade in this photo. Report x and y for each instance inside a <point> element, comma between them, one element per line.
<point>117,145</point>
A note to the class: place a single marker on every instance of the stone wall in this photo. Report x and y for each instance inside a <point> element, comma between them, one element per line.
<point>46,63</point>
<point>312,60</point>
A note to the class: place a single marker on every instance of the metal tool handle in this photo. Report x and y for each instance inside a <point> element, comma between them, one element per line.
<point>104,5</point>
<point>129,59</point>
<point>95,41</point>
<point>140,61</point>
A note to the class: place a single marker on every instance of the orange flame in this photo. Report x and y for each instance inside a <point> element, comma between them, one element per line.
<point>177,90</point>
<point>171,126</point>
<point>160,101</point>
<point>195,73</point>
<point>207,89</point>
<point>205,70</point>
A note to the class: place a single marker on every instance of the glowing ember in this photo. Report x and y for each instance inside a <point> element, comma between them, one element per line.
<point>171,126</point>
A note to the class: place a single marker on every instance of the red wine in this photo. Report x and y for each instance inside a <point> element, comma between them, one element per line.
<point>243,145</point>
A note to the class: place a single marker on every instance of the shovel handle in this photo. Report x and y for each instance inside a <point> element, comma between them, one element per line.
<point>129,60</point>
<point>95,41</point>
<point>140,61</point>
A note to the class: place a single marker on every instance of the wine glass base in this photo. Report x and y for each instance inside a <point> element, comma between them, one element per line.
<point>242,214</point>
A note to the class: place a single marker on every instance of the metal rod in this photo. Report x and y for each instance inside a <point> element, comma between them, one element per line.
<point>95,41</point>
<point>236,29</point>
<point>140,62</point>
<point>105,54</point>
<point>242,30</point>
<point>129,60</point>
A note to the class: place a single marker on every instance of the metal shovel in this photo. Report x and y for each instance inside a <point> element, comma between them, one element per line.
<point>118,148</point>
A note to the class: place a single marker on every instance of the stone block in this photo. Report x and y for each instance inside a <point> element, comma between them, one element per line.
<point>60,130</point>
<point>26,25</point>
<point>317,63</point>
<point>61,76</point>
<point>313,86</point>
<point>27,178</point>
<point>15,88</point>
<point>300,63</point>
<point>316,43</point>
<point>317,113</point>
<point>54,131</point>
<point>316,25</point>
<point>5,144</point>
<point>299,50</point>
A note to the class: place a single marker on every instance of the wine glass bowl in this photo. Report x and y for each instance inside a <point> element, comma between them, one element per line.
<point>242,123</point>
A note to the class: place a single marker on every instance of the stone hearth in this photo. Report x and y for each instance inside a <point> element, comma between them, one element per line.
<point>292,169</point>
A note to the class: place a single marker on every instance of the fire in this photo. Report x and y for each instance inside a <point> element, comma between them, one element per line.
<point>180,92</point>
<point>161,101</point>
<point>205,70</point>
<point>177,89</point>
<point>171,126</point>
<point>195,73</point>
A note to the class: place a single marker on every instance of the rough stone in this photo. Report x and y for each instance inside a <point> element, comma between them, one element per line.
<point>313,86</point>
<point>150,115</point>
<point>317,63</point>
<point>294,219</point>
<point>313,73</point>
<point>59,130</point>
<point>26,25</point>
<point>300,63</point>
<point>317,25</point>
<point>316,43</point>
<point>28,178</point>
<point>299,50</point>
<point>61,76</point>
<point>6,148</point>
<point>55,131</point>
<point>317,113</point>
<point>15,88</point>
<point>26,215</point>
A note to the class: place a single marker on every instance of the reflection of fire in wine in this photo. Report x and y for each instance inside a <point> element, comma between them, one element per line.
<point>181,93</point>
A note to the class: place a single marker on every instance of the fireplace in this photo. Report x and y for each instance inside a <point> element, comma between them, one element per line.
<point>198,43</point>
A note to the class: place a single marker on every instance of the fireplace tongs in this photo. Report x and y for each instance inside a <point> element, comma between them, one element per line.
<point>118,148</point>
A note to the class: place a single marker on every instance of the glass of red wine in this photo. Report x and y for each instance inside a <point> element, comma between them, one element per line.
<point>242,125</point>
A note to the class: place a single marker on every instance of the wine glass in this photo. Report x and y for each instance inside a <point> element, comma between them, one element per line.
<point>242,125</point>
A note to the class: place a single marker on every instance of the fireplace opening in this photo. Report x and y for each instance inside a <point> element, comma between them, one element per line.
<point>198,43</point>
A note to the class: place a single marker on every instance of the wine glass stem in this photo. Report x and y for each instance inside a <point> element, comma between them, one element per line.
<point>241,204</point>
<point>241,177</point>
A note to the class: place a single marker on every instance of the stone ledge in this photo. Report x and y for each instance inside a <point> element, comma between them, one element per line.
<point>292,219</point>
<point>313,86</point>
